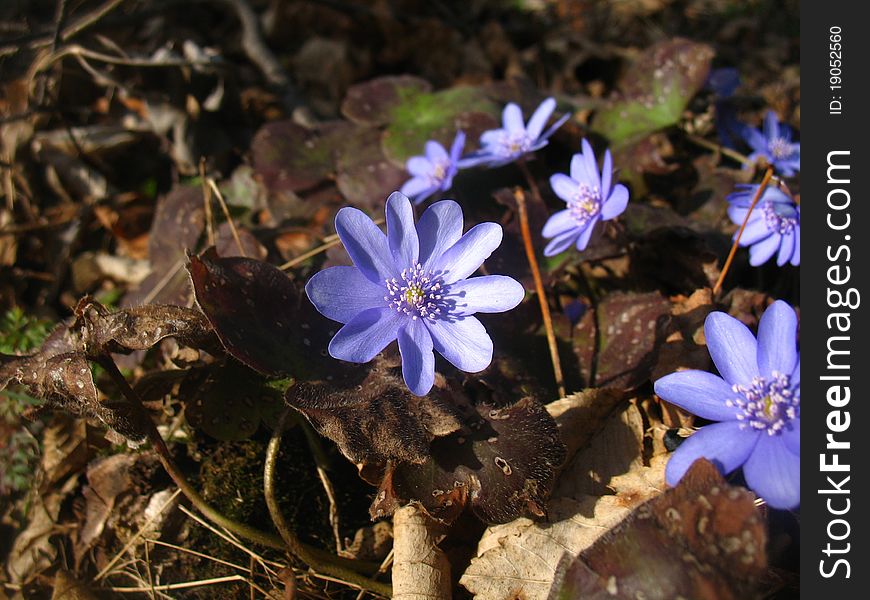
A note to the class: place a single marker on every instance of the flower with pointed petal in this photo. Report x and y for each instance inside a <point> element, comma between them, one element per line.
<point>515,139</point>
<point>433,171</point>
<point>756,401</point>
<point>774,227</point>
<point>413,285</point>
<point>775,145</point>
<point>591,198</point>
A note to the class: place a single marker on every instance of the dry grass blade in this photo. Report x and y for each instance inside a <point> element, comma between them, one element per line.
<point>107,569</point>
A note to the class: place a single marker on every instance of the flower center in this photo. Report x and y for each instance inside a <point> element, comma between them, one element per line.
<point>767,404</point>
<point>439,172</point>
<point>419,293</point>
<point>780,218</point>
<point>512,144</point>
<point>779,148</point>
<point>585,204</point>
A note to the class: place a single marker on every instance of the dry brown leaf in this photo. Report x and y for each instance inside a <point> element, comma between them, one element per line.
<point>66,587</point>
<point>420,569</point>
<point>520,559</point>
<point>596,490</point>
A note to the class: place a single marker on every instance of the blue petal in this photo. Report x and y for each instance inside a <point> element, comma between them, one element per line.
<point>591,165</point>
<point>512,118</point>
<point>435,152</point>
<point>552,129</point>
<point>777,335</point>
<point>771,125</point>
<point>457,147</point>
<point>565,187</point>
<point>439,227</point>
<point>698,392</point>
<point>616,203</point>
<point>724,444</point>
<point>586,234</point>
<point>487,294</point>
<point>774,472</point>
<point>418,188</point>
<point>756,141</point>
<point>761,252</point>
<point>401,233</point>
<point>606,175</point>
<point>559,223</point>
<point>792,436</point>
<point>540,118</point>
<point>419,166</point>
<point>463,341</point>
<point>364,336</point>
<point>732,347</point>
<point>341,293</point>
<point>465,256</point>
<point>580,171</point>
<point>418,360</point>
<point>366,244</point>
<point>561,242</point>
<point>755,231</point>
<point>786,249</point>
<point>796,374</point>
<point>796,255</point>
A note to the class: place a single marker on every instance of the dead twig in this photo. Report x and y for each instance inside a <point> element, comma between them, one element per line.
<point>760,192</point>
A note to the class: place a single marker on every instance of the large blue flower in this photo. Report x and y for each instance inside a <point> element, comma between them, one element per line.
<point>774,145</point>
<point>433,171</point>
<point>413,285</point>
<point>591,197</point>
<point>774,227</point>
<point>515,138</point>
<point>757,401</point>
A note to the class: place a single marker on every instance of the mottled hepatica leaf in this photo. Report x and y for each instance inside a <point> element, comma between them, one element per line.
<point>377,419</point>
<point>618,338</point>
<point>260,316</point>
<point>501,463</point>
<point>438,116</point>
<point>364,176</point>
<point>372,102</point>
<point>179,221</point>
<point>229,402</point>
<point>413,114</point>
<point>291,158</point>
<point>59,373</point>
<point>703,539</point>
<point>655,90</point>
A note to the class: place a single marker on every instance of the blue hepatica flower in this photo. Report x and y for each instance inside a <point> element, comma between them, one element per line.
<point>434,171</point>
<point>774,145</point>
<point>756,401</point>
<point>515,139</point>
<point>774,227</point>
<point>413,284</point>
<point>591,197</point>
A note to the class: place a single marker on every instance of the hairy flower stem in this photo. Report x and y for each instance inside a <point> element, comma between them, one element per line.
<point>758,194</point>
<point>318,559</point>
<point>520,197</point>
<point>294,545</point>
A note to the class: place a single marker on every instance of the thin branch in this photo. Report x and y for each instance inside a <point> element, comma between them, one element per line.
<point>732,154</point>
<point>520,197</point>
<point>767,175</point>
<point>223,205</point>
<point>293,544</point>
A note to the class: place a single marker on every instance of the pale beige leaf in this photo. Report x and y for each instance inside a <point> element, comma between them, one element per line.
<point>519,559</point>
<point>420,569</point>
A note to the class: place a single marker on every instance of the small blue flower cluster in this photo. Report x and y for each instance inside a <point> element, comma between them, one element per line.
<point>434,171</point>
<point>414,285</point>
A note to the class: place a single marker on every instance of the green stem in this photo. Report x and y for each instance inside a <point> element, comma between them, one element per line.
<point>252,534</point>
<point>292,542</point>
